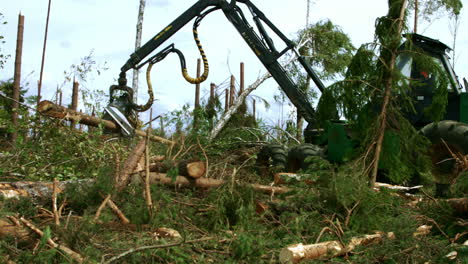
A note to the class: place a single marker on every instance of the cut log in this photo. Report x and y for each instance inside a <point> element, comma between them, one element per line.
<point>298,252</point>
<point>50,109</point>
<point>193,169</point>
<point>329,249</point>
<point>160,178</point>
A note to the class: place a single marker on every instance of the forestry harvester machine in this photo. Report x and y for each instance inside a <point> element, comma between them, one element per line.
<point>452,132</point>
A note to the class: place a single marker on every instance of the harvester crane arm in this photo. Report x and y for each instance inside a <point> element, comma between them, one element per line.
<point>262,46</point>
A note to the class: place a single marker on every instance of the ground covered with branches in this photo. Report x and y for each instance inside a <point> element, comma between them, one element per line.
<point>231,223</point>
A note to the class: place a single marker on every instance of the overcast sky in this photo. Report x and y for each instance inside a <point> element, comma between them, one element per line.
<point>107,28</point>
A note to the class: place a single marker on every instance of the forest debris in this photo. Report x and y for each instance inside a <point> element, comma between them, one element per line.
<point>460,205</point>
<point>118,212</point>
<point>133,250</point>
<point>12,229</point>
<point>164,232</point>
<point>130,164</point>
<point>379,185</point>
<point>284,177</point>
<point>298,252</point>
<point>204,183</point>
<point>157,158</point>
<point>147,192</point>
<point>260,207</point>
<point>77,257</point>
<point>101,207</point>
<point>54,202</point>
<point>329,249</point>
<point>50,109</point>
<point>452,255</point>
<point>422,230</point>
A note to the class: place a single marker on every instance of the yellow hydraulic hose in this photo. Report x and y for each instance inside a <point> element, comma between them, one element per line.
<point>204,76</point>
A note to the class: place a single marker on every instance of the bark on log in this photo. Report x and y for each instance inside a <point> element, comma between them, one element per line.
<point>160,178</point>
<point>50,109</point>
<point>36,189</point>
<point>193,169</point>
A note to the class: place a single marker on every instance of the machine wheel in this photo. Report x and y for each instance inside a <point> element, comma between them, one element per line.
<point>445,167</point>
<point>269,156</point>
<point>297,156</point>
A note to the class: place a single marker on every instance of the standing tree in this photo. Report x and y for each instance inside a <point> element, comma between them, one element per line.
<point>376,99</point>
<point>328,52</point>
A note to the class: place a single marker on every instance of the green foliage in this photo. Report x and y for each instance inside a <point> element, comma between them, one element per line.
<point>328,49</point>
<point>432,8</point>
<point>83,72</point>
<point>77,156</point>
<point>25,205</point>
<point>460,187</point>
<point>247,247</point>
<point>234,208</point>
<point>3,57</point>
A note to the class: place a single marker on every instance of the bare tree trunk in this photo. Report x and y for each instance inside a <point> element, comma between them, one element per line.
<point>231,91</point>
<point>74,103</point>
<point>415,28</point>
<point>17,79</point>
<point>226,100</point>
<point>300,119</point>
<point>39,85</point>
<point>139,29</point>
<point>387,96</point>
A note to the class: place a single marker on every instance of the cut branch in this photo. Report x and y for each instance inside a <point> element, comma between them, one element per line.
<point>77,257</point>
<point>117,211</point>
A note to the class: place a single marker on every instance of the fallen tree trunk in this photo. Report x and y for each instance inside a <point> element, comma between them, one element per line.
<point>160,178</point>
<point>123,178</point>
<point>44,190</point>
<point>41,190</point>
<point>50,109</point>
